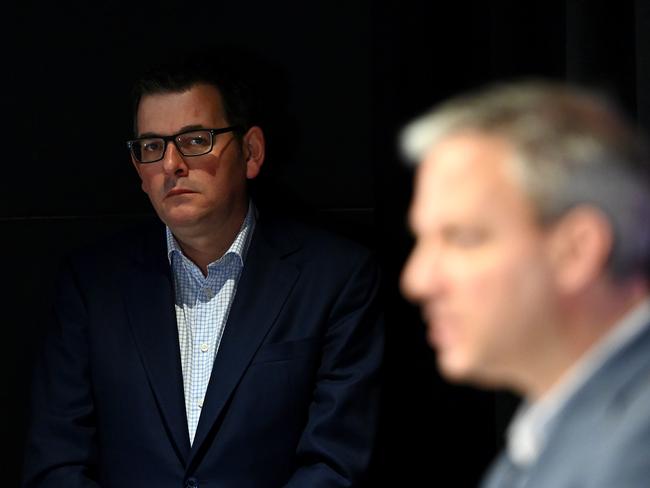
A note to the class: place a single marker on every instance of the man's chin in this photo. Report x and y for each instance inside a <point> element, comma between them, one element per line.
<point>456,368</point>
<point>451,370</point>
<point>181,218</point>
<point>464,372</point>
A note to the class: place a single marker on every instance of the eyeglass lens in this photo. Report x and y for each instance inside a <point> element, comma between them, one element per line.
<point>193,143</point>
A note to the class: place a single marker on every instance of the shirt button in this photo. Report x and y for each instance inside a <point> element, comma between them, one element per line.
<point>200,403</point>
<point>191,483</point>
<point>205,347</point>
<point>207,292</point>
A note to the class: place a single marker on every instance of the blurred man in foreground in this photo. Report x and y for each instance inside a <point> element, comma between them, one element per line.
<point>531,218</point>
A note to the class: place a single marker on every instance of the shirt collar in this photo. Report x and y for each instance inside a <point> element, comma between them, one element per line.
<point>239,246</point>
<point>527,433</point>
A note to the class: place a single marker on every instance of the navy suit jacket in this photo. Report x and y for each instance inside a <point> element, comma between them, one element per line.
<point>292,399</point>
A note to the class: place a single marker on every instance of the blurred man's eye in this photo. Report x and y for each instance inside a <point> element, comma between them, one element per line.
<point>466,237</point>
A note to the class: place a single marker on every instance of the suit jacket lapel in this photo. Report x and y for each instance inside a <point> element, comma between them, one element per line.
<point>611,386</point>
<point>150,306</point>
<point>615,377</point>
<point>264,285</point>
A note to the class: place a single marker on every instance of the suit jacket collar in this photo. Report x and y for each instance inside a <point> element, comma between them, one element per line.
<point>149,297</point>
<point>265,283</point>
<point>533,421</point>
<point>582,425</point>
<point>584,422</point>
<point>615,378</point>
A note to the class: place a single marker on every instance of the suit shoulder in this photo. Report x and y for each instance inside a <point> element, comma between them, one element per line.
<point>624,446</point>
<point>624,458</point>
<point>315,243</point>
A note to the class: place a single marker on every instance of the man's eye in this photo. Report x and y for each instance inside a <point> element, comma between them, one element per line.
<point>193,141</point>
<point>151,146</point>
<point>198,141</point>
<point>467,237</point>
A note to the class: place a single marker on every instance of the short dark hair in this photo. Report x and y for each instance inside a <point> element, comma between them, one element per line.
<point>180,72</point>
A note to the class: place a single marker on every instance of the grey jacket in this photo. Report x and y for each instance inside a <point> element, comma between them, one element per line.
<point>601,438</point>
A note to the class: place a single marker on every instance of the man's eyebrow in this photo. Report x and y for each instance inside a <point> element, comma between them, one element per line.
<point>185,128</point>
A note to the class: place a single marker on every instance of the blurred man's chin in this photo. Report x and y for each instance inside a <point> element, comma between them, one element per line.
<point>452,368</point>
<point>462,371</point>
<point>467,374</point>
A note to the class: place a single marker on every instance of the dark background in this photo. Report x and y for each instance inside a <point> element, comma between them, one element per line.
<point>341,79</point>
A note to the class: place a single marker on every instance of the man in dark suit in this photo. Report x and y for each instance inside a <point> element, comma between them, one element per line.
<point>227,348</point>
<point>531,215</point>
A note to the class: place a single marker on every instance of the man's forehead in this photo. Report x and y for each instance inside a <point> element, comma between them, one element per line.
<point>465,162</point>
<point>468,150</point>
<point>462,173</point>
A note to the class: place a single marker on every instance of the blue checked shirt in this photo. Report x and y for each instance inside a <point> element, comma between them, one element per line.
<point>202,306</point>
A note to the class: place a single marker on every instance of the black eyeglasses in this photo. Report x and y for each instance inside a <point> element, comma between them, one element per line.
<point>194,142</point>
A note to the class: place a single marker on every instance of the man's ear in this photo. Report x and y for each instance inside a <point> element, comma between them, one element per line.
<point>580,246</point>
<point>254,151</point>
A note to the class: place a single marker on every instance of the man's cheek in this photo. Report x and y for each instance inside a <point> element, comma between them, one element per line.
<point>148,186</point>
<point>486,284</point>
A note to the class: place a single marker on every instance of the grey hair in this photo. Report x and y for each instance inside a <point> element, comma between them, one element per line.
<point>571,147</point>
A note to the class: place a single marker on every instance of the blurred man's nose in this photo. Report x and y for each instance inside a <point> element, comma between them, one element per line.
<point>421,274</point>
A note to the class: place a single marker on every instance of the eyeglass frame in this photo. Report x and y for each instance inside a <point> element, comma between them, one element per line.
<point>166,139</point>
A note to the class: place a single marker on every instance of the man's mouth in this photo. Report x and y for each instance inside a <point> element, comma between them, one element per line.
<point>178,191</point>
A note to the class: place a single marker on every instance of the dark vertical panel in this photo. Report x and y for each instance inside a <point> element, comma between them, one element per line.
<point>527,39</point>
<point>642,49</point>
<point>601,48</point>
<point>432,433</point>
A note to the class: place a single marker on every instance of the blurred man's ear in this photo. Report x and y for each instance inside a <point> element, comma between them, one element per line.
<point>253,147</point>
<point>580,245</point>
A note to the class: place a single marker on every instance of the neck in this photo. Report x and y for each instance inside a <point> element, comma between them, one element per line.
<point>207,244</point>
<point>585,322</point>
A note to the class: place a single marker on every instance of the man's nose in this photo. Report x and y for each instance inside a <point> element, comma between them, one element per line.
<point>173,161</point>
<point>421,276</point>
